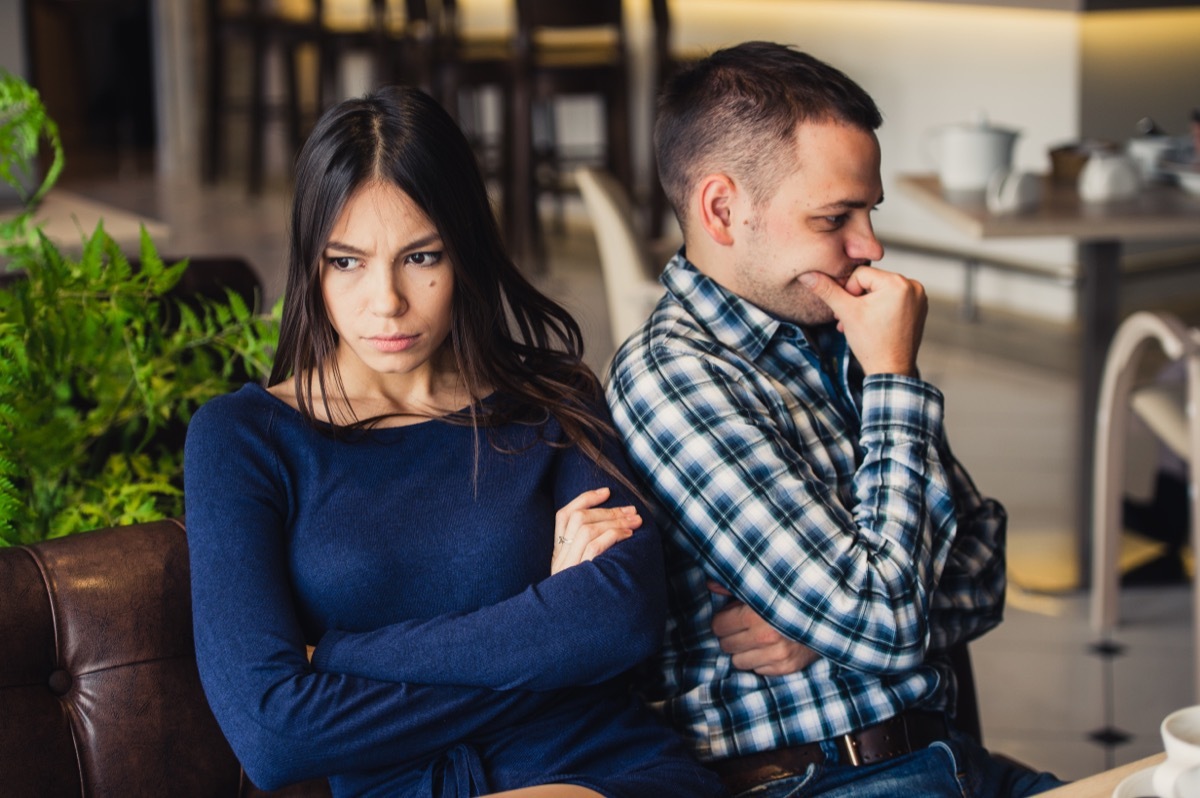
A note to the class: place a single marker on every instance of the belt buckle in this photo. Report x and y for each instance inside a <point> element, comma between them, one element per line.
<point>850,746</point>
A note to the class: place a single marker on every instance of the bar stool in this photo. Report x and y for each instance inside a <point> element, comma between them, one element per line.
<point>265,28</point>
<point>468,64</point>
<point>396,35</point>
<point>393,33</point>
<point>414,46</point>
<point>563,49</point>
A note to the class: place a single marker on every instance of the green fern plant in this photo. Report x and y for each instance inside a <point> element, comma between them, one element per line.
<point>100,368</point>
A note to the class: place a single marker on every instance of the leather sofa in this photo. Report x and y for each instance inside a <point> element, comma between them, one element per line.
<point>99,692</point>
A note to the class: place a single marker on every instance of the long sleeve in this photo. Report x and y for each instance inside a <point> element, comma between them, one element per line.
<point>970,596</point>
<point>285,721</point>
<point>760,510</point>
<point>581,626</point>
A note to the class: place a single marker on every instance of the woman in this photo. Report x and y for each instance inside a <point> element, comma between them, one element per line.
<point>430,494</point>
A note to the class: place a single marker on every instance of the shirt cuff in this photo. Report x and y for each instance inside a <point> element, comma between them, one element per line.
<point>895,404</point>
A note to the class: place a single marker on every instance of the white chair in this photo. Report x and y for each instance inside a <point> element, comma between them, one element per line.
<point>630,291</point>
<point>1172,416</point>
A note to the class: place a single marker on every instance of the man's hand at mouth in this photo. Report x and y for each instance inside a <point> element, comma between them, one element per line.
<point>881,313</point>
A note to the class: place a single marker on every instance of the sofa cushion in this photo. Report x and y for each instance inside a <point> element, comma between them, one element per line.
<point>98,684</point>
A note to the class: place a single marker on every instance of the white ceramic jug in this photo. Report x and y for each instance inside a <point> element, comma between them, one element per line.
<point>968,154</point>
<point>1109,176</point>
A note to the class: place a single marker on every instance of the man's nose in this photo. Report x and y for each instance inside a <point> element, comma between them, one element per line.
<point>863,245</point>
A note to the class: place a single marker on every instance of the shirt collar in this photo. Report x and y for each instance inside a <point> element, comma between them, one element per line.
<point>728,318</point>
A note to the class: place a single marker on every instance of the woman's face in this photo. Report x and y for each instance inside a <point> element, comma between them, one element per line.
<point>387,285</point>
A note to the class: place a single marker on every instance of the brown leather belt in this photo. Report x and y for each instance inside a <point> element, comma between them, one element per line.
<point>907,732</point>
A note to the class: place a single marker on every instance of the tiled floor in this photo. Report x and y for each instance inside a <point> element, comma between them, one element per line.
<point>1045,691</point>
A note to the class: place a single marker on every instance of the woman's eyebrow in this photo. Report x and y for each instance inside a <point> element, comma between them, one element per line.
<point>423,241</point>
<point>340,247</point>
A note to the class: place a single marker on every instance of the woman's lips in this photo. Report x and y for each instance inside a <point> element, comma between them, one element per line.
<point>393,343</point>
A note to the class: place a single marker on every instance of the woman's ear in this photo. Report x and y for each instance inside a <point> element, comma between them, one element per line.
<point>716,199</point>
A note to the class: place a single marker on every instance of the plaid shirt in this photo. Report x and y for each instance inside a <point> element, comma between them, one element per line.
<point>828,502</point>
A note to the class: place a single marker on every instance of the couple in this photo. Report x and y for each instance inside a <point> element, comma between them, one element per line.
<point>432,494</point>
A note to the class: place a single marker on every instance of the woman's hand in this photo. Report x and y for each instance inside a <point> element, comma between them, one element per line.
<point>582,530</point>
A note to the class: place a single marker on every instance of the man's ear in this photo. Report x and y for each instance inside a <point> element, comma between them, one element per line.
<point>717,198</point>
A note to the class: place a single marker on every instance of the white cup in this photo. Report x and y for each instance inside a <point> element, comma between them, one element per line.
<point>1148,152</point>
<point>1179,775</point>
<point>1009,192</point>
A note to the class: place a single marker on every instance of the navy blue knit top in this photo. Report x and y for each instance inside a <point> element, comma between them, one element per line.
<point>449,662</point>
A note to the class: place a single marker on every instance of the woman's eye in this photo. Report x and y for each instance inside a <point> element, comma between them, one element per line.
<point>343,263</point>
<point>835,221</point>
<point>424,258</point>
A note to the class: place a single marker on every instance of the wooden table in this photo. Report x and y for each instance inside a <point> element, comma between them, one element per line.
<point>1102,784</point>
<point>1159,212</point>
<point>67,218</point>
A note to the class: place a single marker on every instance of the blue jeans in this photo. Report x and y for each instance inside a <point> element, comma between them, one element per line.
<point>957,768</point>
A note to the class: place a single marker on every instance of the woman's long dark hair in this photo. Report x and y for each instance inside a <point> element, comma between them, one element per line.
<point>504,333</point>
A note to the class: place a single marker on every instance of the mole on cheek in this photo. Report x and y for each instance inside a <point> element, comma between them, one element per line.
<point>432,283</point>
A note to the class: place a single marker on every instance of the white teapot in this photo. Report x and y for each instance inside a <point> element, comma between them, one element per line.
<point>968,154</point>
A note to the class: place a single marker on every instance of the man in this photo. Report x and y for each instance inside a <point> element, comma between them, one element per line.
<point>825,549</point>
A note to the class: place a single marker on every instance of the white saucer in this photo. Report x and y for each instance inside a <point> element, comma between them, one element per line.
<point>1137,785</point>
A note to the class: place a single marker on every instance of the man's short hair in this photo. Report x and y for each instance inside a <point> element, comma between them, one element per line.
<point>736,112</point>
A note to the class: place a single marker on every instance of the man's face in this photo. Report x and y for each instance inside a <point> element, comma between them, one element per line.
<point>819,219</point>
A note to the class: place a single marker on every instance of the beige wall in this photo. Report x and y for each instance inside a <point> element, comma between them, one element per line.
<point>1139,64</point>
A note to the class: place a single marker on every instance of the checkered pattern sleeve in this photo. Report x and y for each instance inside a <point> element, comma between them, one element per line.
<point>751,485</point>
<point>970,598</point>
